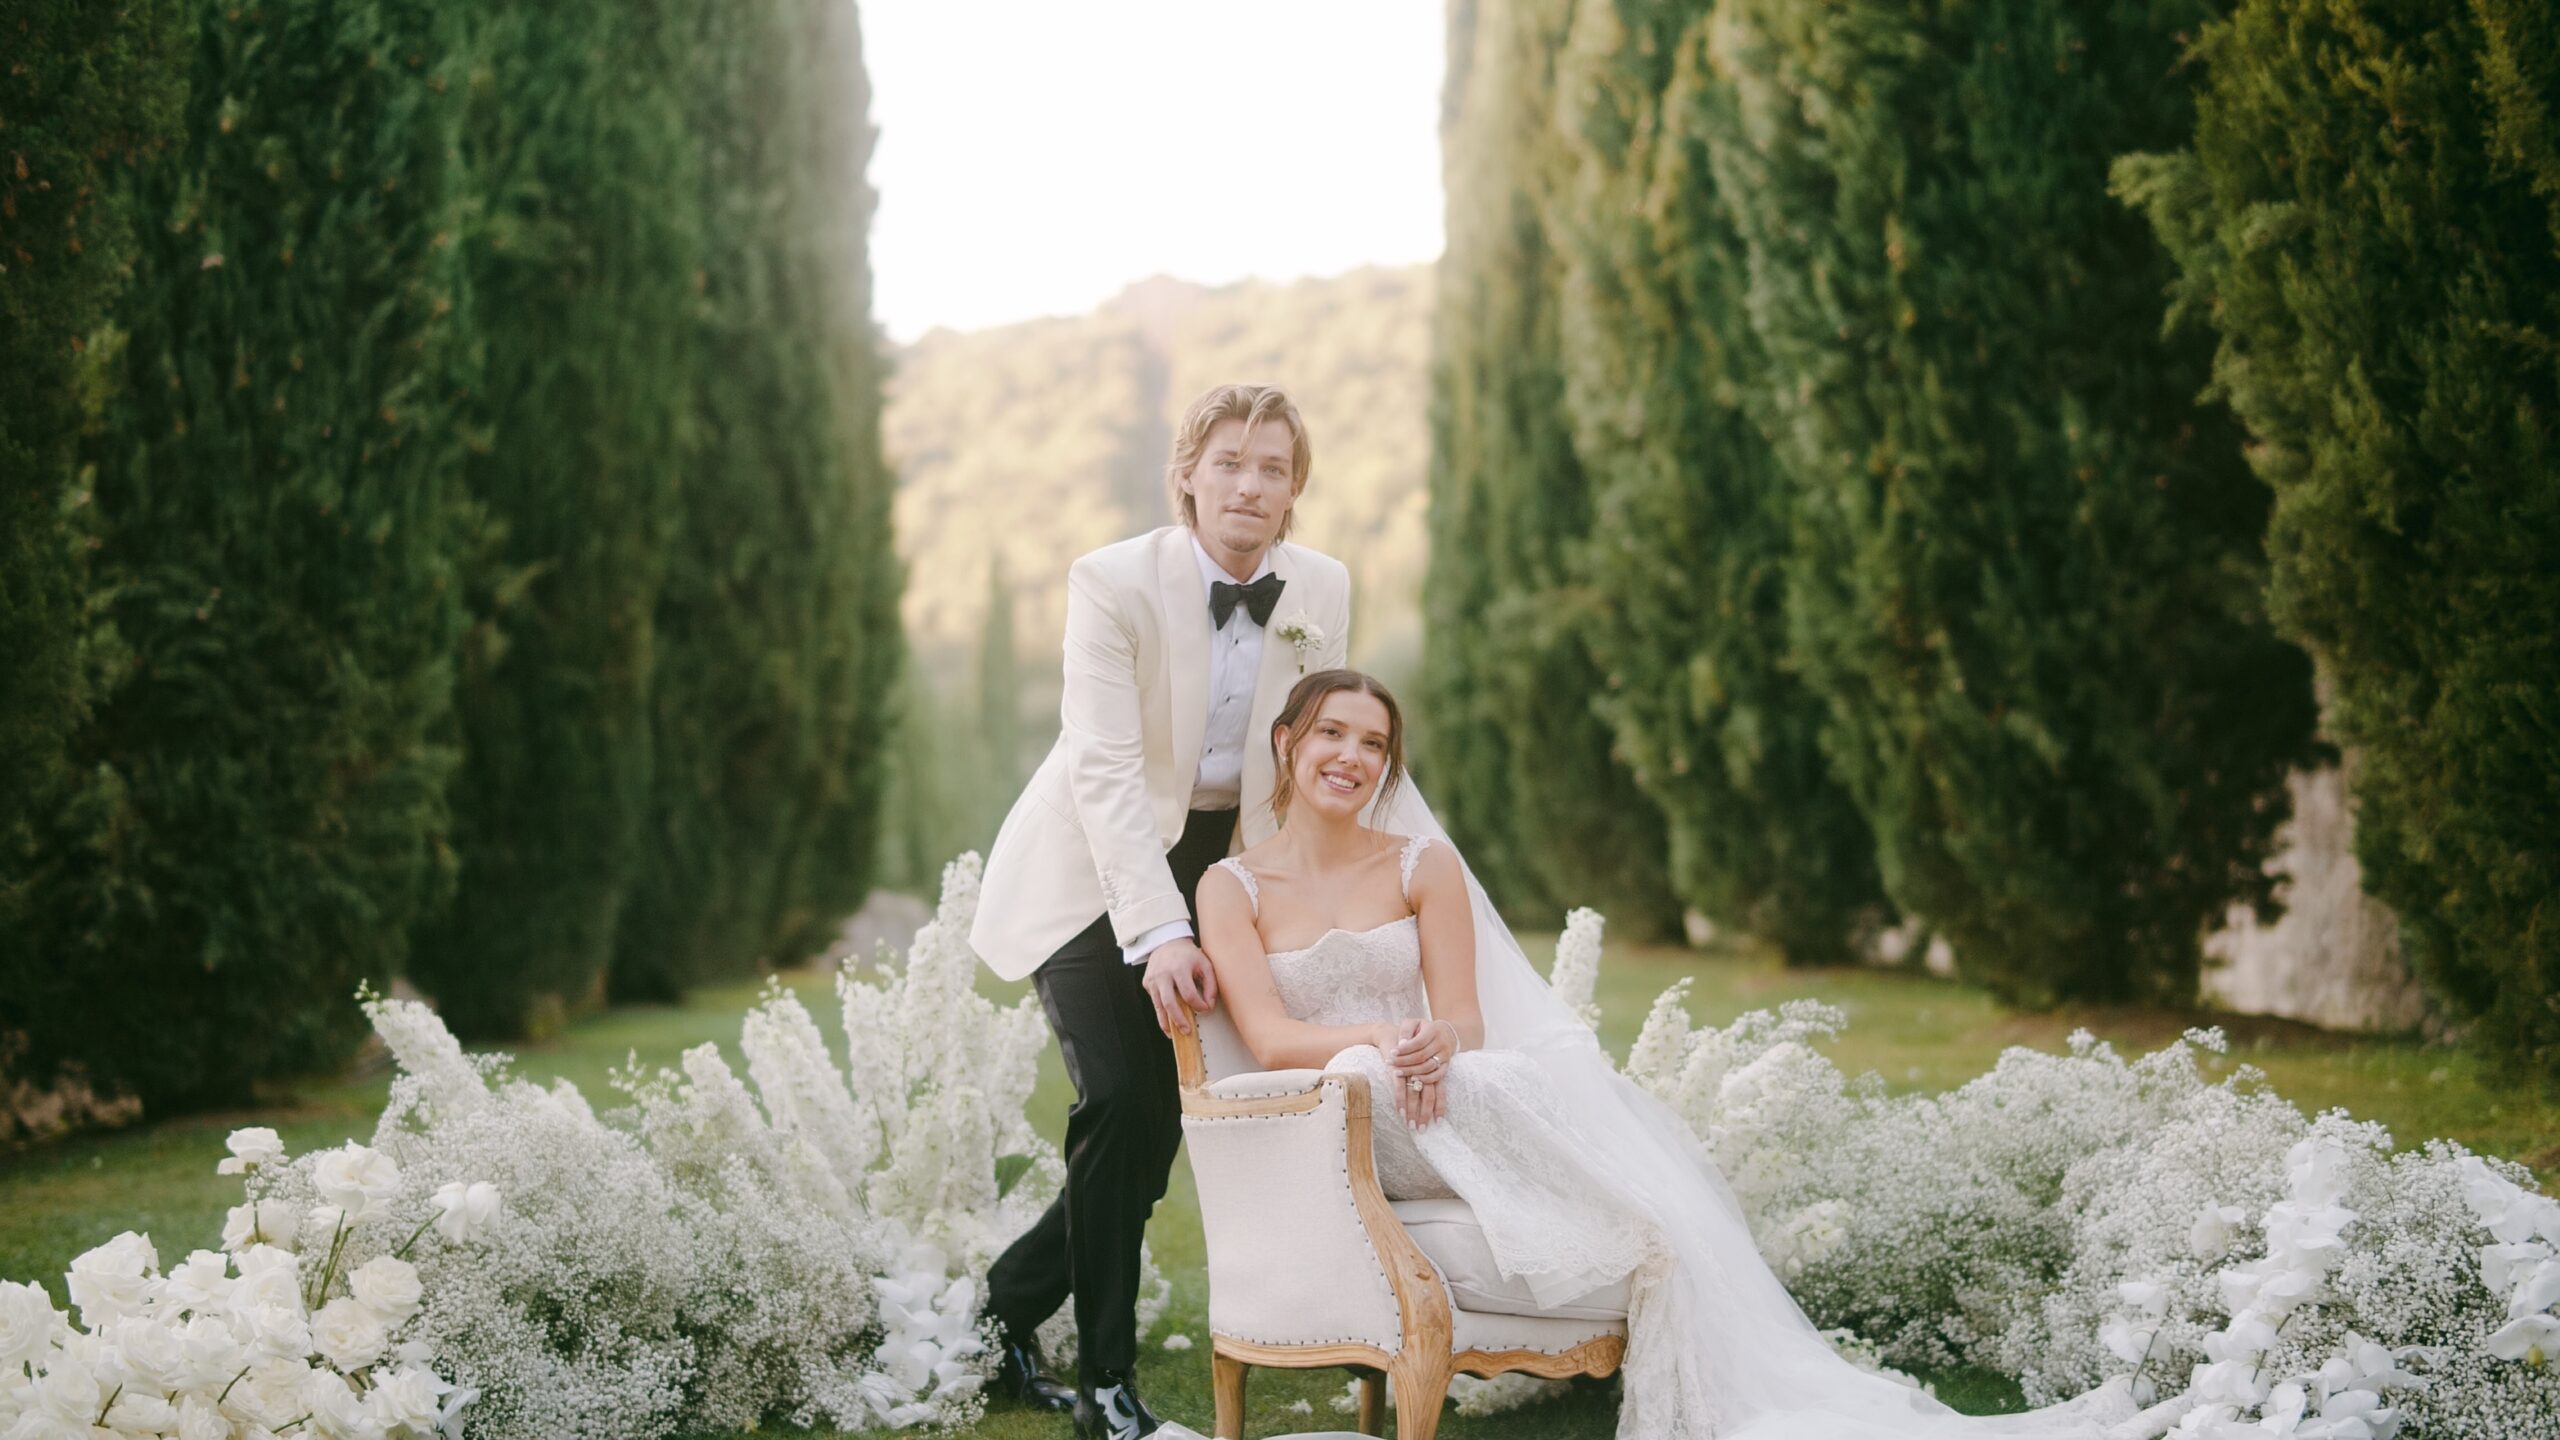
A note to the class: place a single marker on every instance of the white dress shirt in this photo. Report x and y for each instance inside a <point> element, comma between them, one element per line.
<point>1235,663</point>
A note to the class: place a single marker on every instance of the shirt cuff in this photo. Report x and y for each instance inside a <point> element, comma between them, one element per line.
<point>1137,951</point>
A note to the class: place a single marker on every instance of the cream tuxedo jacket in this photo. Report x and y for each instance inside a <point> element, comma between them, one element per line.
<point>1090,833</point>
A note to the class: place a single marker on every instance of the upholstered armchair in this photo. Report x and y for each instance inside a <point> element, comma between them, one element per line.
<point>1311,1266</point>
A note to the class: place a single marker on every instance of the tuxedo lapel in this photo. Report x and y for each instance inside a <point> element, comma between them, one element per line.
<point>1186,650</point>
<point>1270,691</point>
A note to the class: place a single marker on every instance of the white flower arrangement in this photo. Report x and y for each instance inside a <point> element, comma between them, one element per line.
<point>1304,636</point>
<point>254,1339</point>
<point>808,1244</point>
<point>2073,1220</point>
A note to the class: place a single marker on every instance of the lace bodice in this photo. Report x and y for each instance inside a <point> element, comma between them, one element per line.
<point>1351,977</point>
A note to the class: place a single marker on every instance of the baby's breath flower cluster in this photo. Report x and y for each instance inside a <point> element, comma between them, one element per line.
<point>301,1324</point>
<point>803,1244</point>
<point>2077,1219</point>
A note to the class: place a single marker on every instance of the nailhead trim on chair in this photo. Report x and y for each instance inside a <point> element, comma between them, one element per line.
<point>1251,1095</point>
<point>1377,1270</point>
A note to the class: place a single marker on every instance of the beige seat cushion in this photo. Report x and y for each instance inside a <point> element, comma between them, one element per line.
<point>1447,1232</point>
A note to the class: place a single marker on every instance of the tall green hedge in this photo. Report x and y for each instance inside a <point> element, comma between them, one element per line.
<point>1689,540</point>
<point>90,91</point>
<point>588,260</point>
<point>271,491</point>
<point>2025,572</point>
<point>445,517</point>
<point>767,714</point>
<point>2369,219</point>
<point>1513,749</point>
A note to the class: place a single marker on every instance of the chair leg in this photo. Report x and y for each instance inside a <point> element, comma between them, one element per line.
<point>1373,1403</point>
<point>1421,1386</point>
<point>1226,1384</point>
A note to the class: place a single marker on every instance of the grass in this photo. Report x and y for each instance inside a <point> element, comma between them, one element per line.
<point>1918,1033</point>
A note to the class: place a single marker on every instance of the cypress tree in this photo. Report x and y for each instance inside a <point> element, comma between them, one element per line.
<point>588,262</point>
<point>2025,565</point>
<point>2367,217</point>
<point>854,648</point>
<point>1515,755</point>
<point>748,710</point>
<point>91,92</point>
<point>1688,545</point>
<point>255,797</point>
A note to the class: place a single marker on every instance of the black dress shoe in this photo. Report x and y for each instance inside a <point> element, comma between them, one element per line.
<point>1111,1410</point>
<point>1023,1377</point>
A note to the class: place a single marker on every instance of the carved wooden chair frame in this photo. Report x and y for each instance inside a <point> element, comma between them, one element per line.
<point>1424,1360</point>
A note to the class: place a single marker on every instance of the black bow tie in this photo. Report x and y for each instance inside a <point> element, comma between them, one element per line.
<point>1259,599</point>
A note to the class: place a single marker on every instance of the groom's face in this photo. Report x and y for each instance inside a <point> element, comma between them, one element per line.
<point>1242,488</point>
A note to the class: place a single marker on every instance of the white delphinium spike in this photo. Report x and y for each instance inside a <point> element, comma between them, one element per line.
<point>1662,1046</point>
<point>427,1050</point>
<point>801,1088</point>
<point>1575,976</point>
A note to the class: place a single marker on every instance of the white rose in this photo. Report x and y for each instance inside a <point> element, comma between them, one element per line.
<point>387,1286</point>
<point>322,1223</point>
<point>251,1148</point>
<point>67,1390</point>
<point>28,1323</point>
<point>348,1335</point>
<point>265,1286</point>
<point>356,1178</point>
<point>465,1212</point>
<point>199,1282</point>
<point>138,1412</point>
<point>266,1222</point>
<point>200,1419</point>
<point>333,1402</point>
<point>211,1353</point>
<point>270,1395</point>
<point>114,1279</point>
<point>408,1397</point>
<point>149,1353</point>
<point>271,1320</point>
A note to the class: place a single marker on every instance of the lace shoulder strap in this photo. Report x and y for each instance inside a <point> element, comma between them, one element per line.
<point>1252,891</point>
<point>1413,849</point>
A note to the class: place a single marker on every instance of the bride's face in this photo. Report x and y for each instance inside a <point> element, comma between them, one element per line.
<point>1337,767</point>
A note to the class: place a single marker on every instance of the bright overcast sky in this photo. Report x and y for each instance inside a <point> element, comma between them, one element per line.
<point>1031,151</point>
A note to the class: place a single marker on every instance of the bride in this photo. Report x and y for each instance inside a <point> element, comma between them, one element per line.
<point>1345,947</point>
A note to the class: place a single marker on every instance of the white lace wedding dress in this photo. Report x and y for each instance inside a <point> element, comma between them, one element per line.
<point>1572,1198</point>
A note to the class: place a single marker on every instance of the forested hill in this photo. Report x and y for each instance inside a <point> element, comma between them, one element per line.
<point>1027,445</point>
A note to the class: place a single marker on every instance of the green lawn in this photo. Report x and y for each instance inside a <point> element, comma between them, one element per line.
<point>1918,1033</point>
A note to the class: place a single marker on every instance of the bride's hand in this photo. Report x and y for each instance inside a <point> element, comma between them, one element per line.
<point>1421,1051</point>
<point>1423,1048</point>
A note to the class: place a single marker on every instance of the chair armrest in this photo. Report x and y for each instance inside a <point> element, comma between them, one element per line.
<point>1244,1094</point>
<point>1303,1249</point>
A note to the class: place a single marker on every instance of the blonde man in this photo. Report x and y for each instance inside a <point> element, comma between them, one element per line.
<point>1181,645</point>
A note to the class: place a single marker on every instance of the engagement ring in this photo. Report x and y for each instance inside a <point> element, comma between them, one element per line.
<point>1414,1084</point>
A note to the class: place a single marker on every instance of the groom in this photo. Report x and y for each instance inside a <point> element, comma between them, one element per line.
<point>1175,669</point>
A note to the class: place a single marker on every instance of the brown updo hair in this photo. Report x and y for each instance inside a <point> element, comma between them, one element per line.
<point>1298,716</point>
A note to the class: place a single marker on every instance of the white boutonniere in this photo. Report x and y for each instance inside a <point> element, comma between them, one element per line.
<point>1303,635</point>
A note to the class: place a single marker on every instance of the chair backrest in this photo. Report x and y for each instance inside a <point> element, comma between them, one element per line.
<point>1215,1053</point>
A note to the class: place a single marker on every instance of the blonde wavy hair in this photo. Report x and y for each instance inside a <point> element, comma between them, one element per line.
<point>1253,404</point>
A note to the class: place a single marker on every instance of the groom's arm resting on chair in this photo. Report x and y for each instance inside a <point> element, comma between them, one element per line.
<point>1105,732</point>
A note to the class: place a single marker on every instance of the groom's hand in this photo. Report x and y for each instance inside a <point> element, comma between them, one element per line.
<point>1180,981</point>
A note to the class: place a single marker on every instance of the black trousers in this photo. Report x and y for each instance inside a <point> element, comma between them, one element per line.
<point>1121,1133</point>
